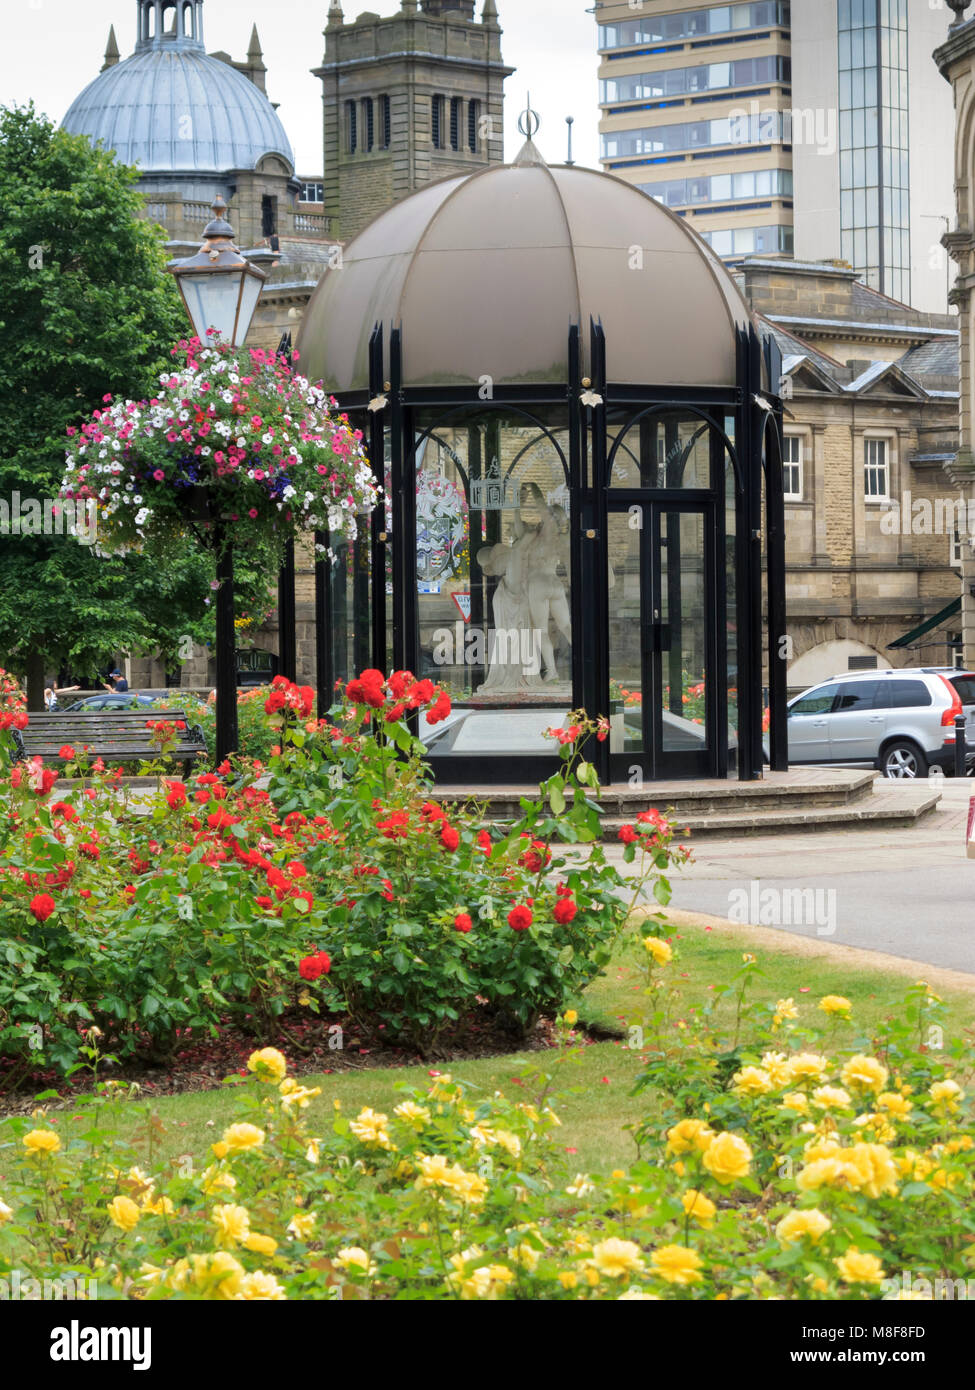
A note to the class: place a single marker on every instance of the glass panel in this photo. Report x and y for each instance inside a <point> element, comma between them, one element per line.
<point>683,616</point>
<point>626,537</point>
<point>351,610</point>
<point>493,587</point>
<point>665,449</point>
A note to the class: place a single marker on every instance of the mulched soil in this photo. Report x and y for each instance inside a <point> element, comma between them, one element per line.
<point>203,1064</point>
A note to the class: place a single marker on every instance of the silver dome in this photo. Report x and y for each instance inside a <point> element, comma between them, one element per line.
<point>171,108</point>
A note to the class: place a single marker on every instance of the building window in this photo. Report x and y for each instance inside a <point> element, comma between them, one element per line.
<point>473,125</point>
<point>385,122</point>
<point>352,126</point>
<point>792,467</point>
<point>368,124</point>
<point>876,483</point>
<point>312,192</point>
<point>455,117</point>
<point>722,19</point>
<point>954,553</point>
<point>437,123</point>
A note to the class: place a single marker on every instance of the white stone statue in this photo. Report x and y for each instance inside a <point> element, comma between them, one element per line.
<point>528,601</point>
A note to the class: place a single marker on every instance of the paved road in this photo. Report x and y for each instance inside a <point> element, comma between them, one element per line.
<point>909,892</point>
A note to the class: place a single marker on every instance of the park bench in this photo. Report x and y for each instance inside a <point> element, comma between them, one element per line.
<point>114,735</point>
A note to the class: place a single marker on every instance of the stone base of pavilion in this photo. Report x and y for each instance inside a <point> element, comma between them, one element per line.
<point>802,799</point>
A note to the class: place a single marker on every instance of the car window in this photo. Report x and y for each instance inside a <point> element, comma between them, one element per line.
<point>857,695</point>
<point>965,686</point>
<point>816,702</point>
<point>909,694</point>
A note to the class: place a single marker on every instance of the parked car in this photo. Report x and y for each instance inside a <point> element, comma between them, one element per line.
<point>899,721</point>
<point>109,701</point>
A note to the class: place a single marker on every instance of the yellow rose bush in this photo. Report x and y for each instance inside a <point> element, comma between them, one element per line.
<point>785,1168</point>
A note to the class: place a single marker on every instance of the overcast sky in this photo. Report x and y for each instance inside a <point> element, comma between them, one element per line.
<point>53,48</point>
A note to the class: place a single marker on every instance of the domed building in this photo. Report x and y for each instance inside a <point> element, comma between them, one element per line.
<point>198,125</point>
<point>568,402</point>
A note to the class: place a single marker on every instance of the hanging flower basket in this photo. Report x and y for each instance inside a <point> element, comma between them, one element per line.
<point>236,445</point>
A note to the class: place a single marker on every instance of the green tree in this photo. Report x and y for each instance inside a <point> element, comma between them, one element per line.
<point>86,309</point>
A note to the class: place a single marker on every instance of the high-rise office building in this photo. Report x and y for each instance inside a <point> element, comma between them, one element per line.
<point>694,104</point>
<point>783,129</point>
<point>882,196</point>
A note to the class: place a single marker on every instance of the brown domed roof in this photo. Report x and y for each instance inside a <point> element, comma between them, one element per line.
<point>485,273</point>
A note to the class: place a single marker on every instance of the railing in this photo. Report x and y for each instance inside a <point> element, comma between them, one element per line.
<point>312,224</point>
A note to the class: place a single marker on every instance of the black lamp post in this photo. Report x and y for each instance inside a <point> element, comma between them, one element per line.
<point>220,290</point>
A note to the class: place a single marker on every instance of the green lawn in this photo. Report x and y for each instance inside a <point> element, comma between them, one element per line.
<point>593,1081</point>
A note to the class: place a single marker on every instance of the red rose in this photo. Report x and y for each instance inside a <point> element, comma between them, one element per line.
<point>67,752</point>
<point>399,683</point>
<point>565,910</point>
<point>484,841</point>
<point>42,906</point>
<point>449,837</point>
<point>297,870</point>
<point>440,709</point>
<point>520,918</point>
<point>627,834</point>
<point>314,966</point>
<point>91,850</point>
<point>462,922</point>
<point>396,712</point>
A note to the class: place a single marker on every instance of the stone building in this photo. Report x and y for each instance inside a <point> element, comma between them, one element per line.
<point>408,100</point>
<point>875,522</point>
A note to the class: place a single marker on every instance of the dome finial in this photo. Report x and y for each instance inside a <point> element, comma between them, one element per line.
<point>335,15</point>
<point>185,23</point>
<point>489,14</point>
<point>112,54</point>
<point>529,121</point>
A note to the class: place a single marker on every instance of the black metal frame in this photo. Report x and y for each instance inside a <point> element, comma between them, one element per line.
<point>756,447</point>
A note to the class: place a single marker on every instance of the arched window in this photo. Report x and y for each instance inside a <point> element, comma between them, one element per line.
<point>352,127</point>
<point>385,123</point>
<point>455,116</point>
<point>473,125</point>
<point>437,122</point>
<point>368,124</point>
<point>189,28</point>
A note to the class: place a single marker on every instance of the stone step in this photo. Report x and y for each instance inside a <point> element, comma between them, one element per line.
<point>903,806</point>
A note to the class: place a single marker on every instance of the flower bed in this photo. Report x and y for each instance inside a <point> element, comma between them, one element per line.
<point>812,1171</point>
<point>163,918</point>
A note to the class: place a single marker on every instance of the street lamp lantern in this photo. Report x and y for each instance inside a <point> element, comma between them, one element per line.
<point>220,287</point>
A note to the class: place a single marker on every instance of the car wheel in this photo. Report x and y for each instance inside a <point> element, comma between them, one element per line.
<point>902,758</point>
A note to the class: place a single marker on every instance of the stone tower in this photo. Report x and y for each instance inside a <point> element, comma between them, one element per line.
<point>408,100</point>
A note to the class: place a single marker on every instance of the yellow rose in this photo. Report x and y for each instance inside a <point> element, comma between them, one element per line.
<point>864,1074</point>
<point>675,1264</point>
<point>124,1213</point>
<point>785,1008</point>
<point>240,1138</point>
<point>835,1004</point>
<point>857,1268</point>
<point>302,1225</point>
<point>638,1294</point>
<point>158,1206</point>
<point>269,1064</point>
<point>822,1172</point>
<point>831,1098</point>
<point>727,1157</point>
<point>688,1135</point>
<point>570,1017</point>
<point>751,1081</point>
<point>580,1186</point>
<point>822,1148</point>
<point>809,1221</point>
<point>490,1282</point>
<point>617,1258</point>
<point>806,1066</point>
<point>568,1278</point>
<point>895,1103</point>
<point>777,1066</point>
<point>871,1169</point>
<point>700,1208</point>
<point>412,1114</point>
<point>795,1100</point>
<point>261,1245</point>
<point>5,1212</point>
<point>219,1275</point>
<point>293,1093</point>
<point>41,1141</point>
<point>659,950</point>
<point>260,1286</point>
<point>509,1142</point>
<point>944,1094</point>
<point>354,1257</point>
<point>212,1180</point>
<point>232,1223</point>
<point>369,1127</point>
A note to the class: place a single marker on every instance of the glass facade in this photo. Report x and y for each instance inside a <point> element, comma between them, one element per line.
<point>874,143</point>
<point>720,19</point>
<point>707,77</point>
<point>766,128</point>
<point>721,188</point>
<point>751,241</point>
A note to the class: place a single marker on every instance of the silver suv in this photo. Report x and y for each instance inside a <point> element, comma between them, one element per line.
<point>902,722</point>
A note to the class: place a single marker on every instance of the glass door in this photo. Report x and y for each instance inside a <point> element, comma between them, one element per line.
<point>661,641</point>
